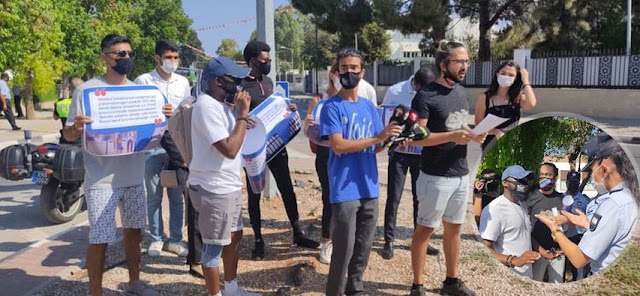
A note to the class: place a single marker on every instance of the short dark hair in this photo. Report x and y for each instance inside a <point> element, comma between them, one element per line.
<point>424,77</point>
<point>444,50</point>
<point>253,50</point>
<point>112,39</point>
<point>350,52</point>
<point>165,45</point>
<point>553,166</point>
<point>4,75</point>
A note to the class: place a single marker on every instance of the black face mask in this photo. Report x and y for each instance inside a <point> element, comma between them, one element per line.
<point>230,88</point>
<point>573,187</point>
<point>349,80</point>
<point>521,193</point>
<point>491,186</point>
<point>123,66</point>
<point>448,76</point>
<point>265,68</point>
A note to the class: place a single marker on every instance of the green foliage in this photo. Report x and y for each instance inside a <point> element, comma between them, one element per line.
<point>374,42</point>
<point>228,48</point>
<point>429,17</point>
<point>529,143</point>
<point>289,33</point>
<point>326,47</point>
<point>585,25</point>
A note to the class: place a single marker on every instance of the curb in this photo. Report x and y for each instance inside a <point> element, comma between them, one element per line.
<point>52,137</point>
<point>630,139</point>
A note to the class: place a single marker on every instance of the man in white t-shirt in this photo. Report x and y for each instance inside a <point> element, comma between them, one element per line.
<point>215,182</point>
<point>505,227</point>
<point>175,88</point>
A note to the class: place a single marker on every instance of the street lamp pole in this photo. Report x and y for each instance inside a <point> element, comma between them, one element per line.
<point>291,52</point>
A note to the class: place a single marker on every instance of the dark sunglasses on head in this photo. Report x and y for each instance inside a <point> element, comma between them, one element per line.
<point>123,53</point>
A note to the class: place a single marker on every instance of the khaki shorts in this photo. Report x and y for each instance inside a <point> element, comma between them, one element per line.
<point>218,214</point>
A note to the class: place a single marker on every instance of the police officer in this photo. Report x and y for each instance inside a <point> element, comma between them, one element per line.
<point>610,217</point>
<point>61,107</point>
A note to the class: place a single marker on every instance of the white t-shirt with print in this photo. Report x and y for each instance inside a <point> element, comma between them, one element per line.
<point>212,121</point>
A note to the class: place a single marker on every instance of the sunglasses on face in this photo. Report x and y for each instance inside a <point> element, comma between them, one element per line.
<point>123,53</point>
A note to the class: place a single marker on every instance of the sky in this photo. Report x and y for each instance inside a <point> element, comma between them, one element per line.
<point>207,13</point>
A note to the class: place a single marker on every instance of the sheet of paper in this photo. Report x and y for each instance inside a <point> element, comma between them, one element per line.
<point>488,123</point>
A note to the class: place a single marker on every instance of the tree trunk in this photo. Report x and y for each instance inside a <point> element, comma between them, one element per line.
<point>484,50</point>
<point>28,97</point>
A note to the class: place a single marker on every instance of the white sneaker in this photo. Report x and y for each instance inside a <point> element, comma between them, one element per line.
<point>177,248</point>
<point>238,291</point>
<point>325,253</point>
<point>155,248</point>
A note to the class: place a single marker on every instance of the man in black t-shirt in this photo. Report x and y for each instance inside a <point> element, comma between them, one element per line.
<point>260,87</point>
<point>443,184</point>
<point>544,199</point>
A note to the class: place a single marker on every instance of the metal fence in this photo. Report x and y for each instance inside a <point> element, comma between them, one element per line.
<point>589,70</point>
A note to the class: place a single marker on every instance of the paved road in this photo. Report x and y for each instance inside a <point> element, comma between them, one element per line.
<point>21,220</point>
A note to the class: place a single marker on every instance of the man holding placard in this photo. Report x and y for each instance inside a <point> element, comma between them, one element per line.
<point>260,87</point>
<point>111,181</point>
<point>175,88</point>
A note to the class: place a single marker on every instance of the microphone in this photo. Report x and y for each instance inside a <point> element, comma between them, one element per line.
<point>400,116</point>
<point>411,130</point>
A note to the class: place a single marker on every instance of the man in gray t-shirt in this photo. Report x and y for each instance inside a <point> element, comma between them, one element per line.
<point>111,181</point>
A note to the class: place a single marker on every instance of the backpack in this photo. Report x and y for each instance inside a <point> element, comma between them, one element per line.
<point>180,130</point>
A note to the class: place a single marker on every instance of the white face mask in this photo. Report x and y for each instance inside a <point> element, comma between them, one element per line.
<point>169,66</point>
<point>505,81</point>
<point>600,187</point>
<point>336,83</point>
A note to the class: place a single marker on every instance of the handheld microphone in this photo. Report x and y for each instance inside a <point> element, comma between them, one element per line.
<point>400,116</point>
<point>411,130</point>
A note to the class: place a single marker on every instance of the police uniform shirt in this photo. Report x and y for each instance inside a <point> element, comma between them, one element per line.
<point>612,218</point>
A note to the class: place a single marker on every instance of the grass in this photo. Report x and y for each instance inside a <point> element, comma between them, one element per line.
<point>623,278</point>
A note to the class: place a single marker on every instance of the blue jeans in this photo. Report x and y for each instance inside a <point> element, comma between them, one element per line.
<point>154,164</point>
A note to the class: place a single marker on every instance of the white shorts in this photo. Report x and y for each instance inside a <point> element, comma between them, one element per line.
<point>442,199</point>
<point>101,207</point>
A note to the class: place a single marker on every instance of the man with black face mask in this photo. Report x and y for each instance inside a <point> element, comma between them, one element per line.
<point>485,190</point>
<point>505,227</point>
<point>111,180</point>
<point>544,199</point>
<point>260,87</point>
<point>580,202</point>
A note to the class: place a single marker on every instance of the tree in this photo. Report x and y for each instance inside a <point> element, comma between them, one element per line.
<point>488,13</point>
<point>228,48</point>
<point>374,41</point>
<point>289,34</point>
<point>189,55</point>
<point>344,18</point>
<point>31,39</point>
<point>326,47</point>
<point>584,25</point>
<point>529,143</point>
<point>429,17</point>
<point>157,19</point>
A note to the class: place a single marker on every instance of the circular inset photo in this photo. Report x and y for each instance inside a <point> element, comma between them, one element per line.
<point>556,200</point>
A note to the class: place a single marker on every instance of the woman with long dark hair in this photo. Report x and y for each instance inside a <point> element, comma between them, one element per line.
<point>508,94</point>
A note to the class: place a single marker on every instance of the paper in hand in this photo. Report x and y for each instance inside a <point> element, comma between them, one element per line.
<point>488,123</point>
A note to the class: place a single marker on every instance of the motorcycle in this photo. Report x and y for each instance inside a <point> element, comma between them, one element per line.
<point>58,168</point>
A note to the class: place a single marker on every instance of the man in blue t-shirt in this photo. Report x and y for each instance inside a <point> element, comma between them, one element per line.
<point>355,133</point>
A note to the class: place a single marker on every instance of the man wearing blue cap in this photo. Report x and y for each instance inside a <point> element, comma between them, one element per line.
<point>215,182</point>
<point>505,227</point>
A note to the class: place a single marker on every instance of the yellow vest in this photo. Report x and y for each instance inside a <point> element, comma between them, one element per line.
<point>62,107</point>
